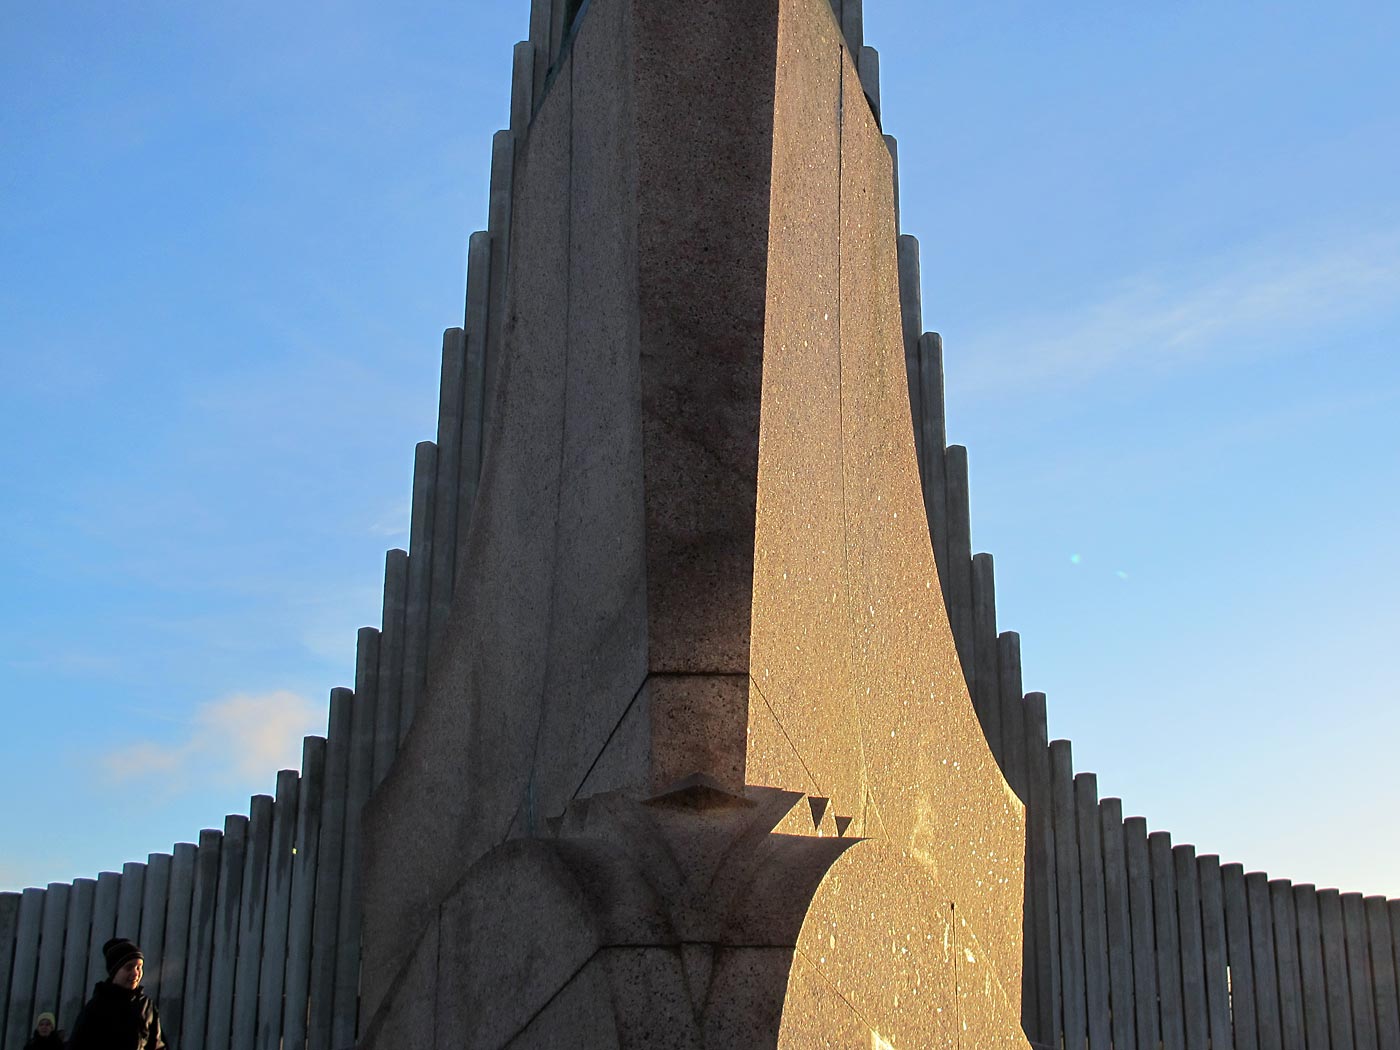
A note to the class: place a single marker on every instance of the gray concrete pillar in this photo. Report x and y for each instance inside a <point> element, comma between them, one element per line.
<point>934,443</point>
<point>445,505</point>
<point>390,686</point>
<point>987,695</point>
<point>1261,940</point>
<point>1217,974</point>
<point>1334,963</point>
<point>474,378</point>
<point>1193,957</point>
<point>1310,966</point>
<point>1117,927</point>
<point>1168,940</point>
<point>1142,919</point>
<point>1013,715</point>
<point>310,803</point>
<point>131,889</point>
<point>252,910</point>
<point>223,971</point>
<point>868,66</point>
<point>498,225</point>
<point>1383,973</point>
<point>1094,910</point>
<point>420,569</point>
<point>539,40</point>
<point>9,927</point>
<point>104,924</point>
<point>1290,981</point>
<point>152,937</point>
<point>958,583</point>
<point>326,922</point>
<point>272,978</point>
<point>176,945</point>
<point>1363,1005</point>
<point>1068,894</point>
<point>893,147</point>
<point>1040,864</point>
<point>74,990</point>
<point>912,316</point>
<point>853,23</point>
<point>358,773</point>
<point>48,974</point>
<point>1392,909</point>
<point>200,954</point>
<point>24,969</point>
<point>522,88</point>
<point>1239,957</point>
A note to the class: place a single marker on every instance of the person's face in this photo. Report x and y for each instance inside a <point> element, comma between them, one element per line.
<point>129,976</point>
<point>45,1028</point>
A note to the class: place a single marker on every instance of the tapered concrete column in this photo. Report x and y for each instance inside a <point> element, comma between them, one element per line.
<point>391,647</point>
<point>252,909</point>
<point>1290,982</point>
<point>132,889</point>
<point>1159,852</point>
<point>1117,924</point>
<point>986,695</point>
<point>473,382</point>
<point>1384,973</point>
<point>310,803</point>
<point>934,441</point>
<point>329,862</point>
<point>1363,1008</point>
<point>1341,1033</point>
<point>175,950</point>
<point>9,924</point>
<point>1040,864</point>
<point>1261,939</point>
<point>420,583</point>
<point>223,972</point>
<point>1091,881</point>
<point>451,391</point>
<point>152,935</point>
<point>200,965</point>
<point>1142,917</point>
<point>1013,715</point>
<point>24,969</point>
<point>1213,945</point>
<point>104,924</point>
<point>1070,894</point>
<point>281,859</point>
<point>912,316</point>
<point>1240,957</point>
<point>1310,965</point>
<point>77,933</point>
<point>49,972</point>
<point>1193,960</point>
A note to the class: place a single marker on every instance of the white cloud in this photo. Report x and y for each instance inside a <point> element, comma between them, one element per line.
<point>238,738</point>
<point>1249,304</point>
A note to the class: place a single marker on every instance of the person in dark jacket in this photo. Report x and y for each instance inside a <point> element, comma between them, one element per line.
<point>46,1034</point>
<point>119,1016</point>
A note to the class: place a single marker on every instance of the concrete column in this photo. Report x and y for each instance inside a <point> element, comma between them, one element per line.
<point>200,955</point>
<point>934,441</point>
<point>252,910</point>
<point>958,583</point>
<point>420,581</point>
<point>131,889</point>
<point>326,923</point>
<point>9,928</point>
<point>539,40</point>
<point>310,802</point>
<point>1392,909</point>
<point>1334,963</point>
<point>893,147</point>
<point>558,31</point>
<point>522,88</point>
<point>1193,959</point>
<point>104,924</point>
<point>912,314</point>
<point>498,225</point>
<point>24,969</point>
<point>152,938</point>
<point>1013,715</point>
<point>1363,1006</point>
<point>1222,1031</point>
<point>175,948</point>
<point>1117,928</point>
<point>473,378</point>
<point>48,974</point>
<point>281,857</point>
<point>359,771</point>
<point>223,972</point>
<point>1068,894</point>
<point>1095,923</point>
<point>1166,923</point>
<point>1040,867</point>
<point>868,66</point>
<point>445,507</point>
<point>1310,966</point>
<point>1239,957</point>
<point>1290,982</point>
<point>1142,919</point>
<point>1383,972</point>
<point>74,990</point>
<point>1261,939</point>
<point>853,23</point>
<point>391,639</point>
<point>987,697</point>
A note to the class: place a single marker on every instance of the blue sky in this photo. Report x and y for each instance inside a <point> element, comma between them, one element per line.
<point>1162,243</point>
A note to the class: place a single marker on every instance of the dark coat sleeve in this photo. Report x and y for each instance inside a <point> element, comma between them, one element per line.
<point>155,1038</point>
<point>83,1034</point>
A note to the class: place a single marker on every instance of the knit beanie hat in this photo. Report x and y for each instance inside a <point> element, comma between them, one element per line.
<point>118,952</point>
<point>46,1016</point>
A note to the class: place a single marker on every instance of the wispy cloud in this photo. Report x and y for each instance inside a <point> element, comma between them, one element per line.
<point>1248,304</point>
<point>234,739</point>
